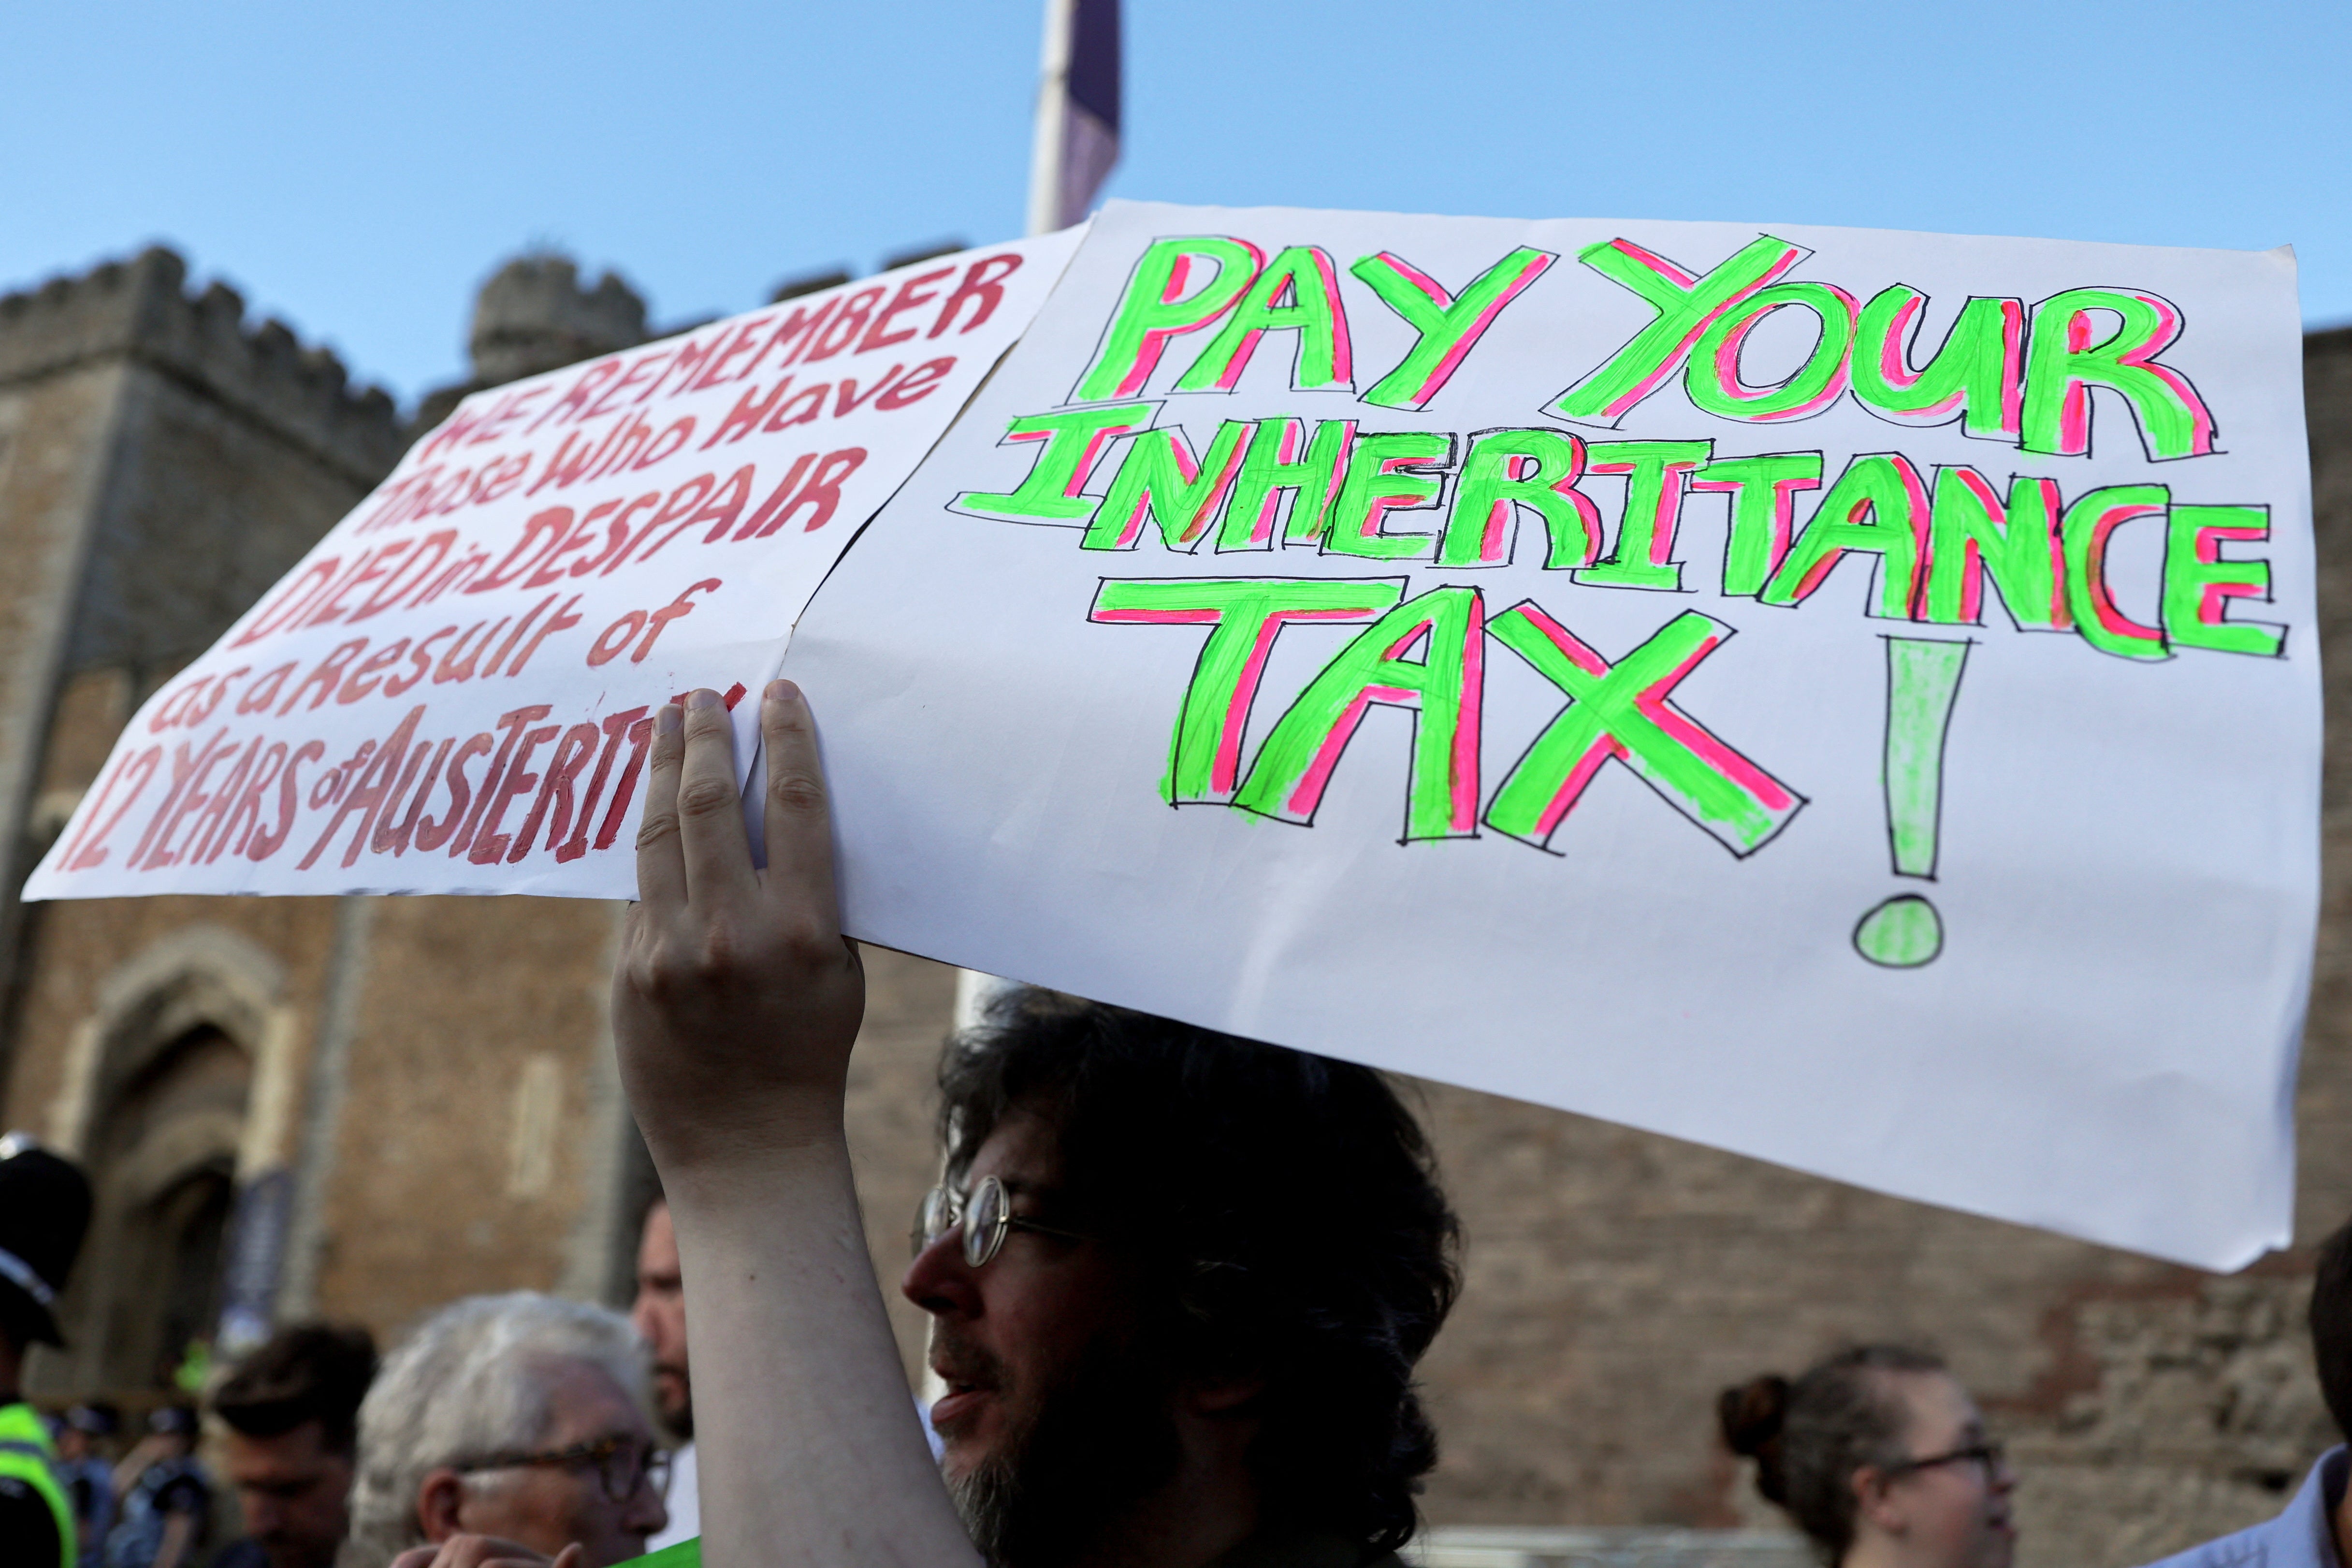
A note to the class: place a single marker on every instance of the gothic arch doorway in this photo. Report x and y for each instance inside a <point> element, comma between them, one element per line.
<point>162,1151</point>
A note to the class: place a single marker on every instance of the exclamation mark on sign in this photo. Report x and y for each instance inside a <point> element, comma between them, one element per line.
<point>1923,677</point>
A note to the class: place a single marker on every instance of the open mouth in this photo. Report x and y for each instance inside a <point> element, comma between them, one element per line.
<point>968,1388</point>
<point>953,1403</point>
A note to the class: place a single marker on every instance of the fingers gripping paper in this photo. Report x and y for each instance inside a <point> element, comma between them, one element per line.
<point>1844,697</point>
<point>452,692</point>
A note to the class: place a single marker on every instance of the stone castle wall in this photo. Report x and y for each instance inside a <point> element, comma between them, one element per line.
<point>160,463</point>
<point>138,310</point>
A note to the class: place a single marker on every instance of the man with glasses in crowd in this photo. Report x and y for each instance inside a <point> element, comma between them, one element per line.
<point>1178,1281</point>
<point>509,1427</point>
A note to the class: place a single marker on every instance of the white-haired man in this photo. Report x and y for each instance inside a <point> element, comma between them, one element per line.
<point>507,1427</point>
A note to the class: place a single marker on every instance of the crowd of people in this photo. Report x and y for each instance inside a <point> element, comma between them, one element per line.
<point>1178,1283</point>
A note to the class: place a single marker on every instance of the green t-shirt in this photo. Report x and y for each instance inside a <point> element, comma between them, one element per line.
<point>1262,1552</point>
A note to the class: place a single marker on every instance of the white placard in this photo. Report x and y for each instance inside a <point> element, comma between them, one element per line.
<point>450,694</point>
<point>1849,698</point>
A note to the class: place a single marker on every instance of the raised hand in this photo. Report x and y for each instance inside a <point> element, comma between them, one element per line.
<point>736,997</point>
<point>734,1007</point>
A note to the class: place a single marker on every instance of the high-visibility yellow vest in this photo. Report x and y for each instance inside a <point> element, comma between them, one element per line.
<point>25,1454</point>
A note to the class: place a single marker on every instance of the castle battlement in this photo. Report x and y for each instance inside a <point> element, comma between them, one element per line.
<point>140,309</point>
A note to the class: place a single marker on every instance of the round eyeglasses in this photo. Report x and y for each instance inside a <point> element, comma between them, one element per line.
<point>986,1216</point>
<point>622,1464</point>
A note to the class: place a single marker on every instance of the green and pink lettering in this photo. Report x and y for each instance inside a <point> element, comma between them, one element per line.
<point>1655,474</point>
<point>1402,470</point>
<point>2067,354</point>
<point>1244,616</point>
<point>1442,689</point>
<point>1506,474</point>
<point>1622,711</point>
<point>1687,304</point>
<point>1297,291</point>
<point>1763,492</point>
<point>1159,477</point>
<point>1879,505</point>
<point>1713,382</point>
<point>1279,460</point>
<point>1446,327</point>
<point>1069,447</point>
<point>2084,534</point>
<point>1977,376</point>
<point>1971,532</point>
<point>2198,585</point>
<point>1177,286</point>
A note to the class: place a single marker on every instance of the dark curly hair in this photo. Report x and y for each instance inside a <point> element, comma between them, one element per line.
<point>306,1371</point>
<point>1809,1438</point>
<point>2331,1323</point>
<point>1283,1211</point>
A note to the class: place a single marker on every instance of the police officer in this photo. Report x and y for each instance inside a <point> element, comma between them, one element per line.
<point>44,1210</point>
<point>87,1475</point>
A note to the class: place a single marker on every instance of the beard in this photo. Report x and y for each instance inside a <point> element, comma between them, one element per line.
<point>679,1423</point>
<point>1096,1442</point>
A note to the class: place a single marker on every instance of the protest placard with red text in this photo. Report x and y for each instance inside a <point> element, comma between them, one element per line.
<point>453,691</point>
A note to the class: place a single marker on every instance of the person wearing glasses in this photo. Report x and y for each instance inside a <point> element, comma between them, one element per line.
<point>2315,1529</point>
<point>1178,1281</point>
<point>1170,1270</point>
<point>1880,1455</point>
<point>508,1428</point>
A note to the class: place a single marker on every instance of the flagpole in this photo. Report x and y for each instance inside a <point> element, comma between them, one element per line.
<point>1046,149</point>
<point>973,989</point>
<point>1047,180</point>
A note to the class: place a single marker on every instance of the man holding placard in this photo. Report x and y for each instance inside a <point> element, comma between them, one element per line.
<point>1178,1281</point>
<point>1265,520</point>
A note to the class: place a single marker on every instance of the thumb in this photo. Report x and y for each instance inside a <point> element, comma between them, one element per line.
<point>572,1556</point>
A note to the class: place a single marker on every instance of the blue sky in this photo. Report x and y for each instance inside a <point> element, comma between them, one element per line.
<point>359,170</point>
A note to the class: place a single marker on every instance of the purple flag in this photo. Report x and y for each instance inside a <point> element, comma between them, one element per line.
<point>1077,112</point>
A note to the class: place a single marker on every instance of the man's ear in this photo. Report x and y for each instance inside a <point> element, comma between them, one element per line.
<point>439,1495</point>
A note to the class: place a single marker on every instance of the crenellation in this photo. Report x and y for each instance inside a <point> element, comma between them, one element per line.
<point>68,320</point>
<point>221,308</point>
<point>534,315</point>
<point>276,355</point>
<point>325,368</point>
<point>140,309</point>
<point>218,321</point>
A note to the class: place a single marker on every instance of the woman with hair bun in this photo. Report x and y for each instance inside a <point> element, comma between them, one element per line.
<point>1880,1455</point>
